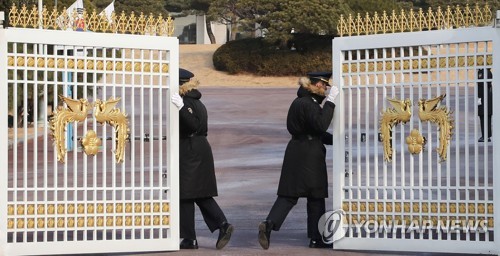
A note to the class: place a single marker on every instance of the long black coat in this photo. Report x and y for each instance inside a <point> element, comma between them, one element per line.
<point>304,171</point>
<point>482,91</point>
<point>196,166</point>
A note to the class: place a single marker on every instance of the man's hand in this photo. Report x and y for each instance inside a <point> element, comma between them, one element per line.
<point>177,100</point>
<point>334,92</point>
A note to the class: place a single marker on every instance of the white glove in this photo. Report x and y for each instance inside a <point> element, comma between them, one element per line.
<point>334,92</point>
<point>177,100</point>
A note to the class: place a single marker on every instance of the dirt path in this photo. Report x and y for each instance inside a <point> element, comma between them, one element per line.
<point>198,59</point>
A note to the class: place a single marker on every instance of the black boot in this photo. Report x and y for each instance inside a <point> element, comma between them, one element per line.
<point>189,244</point>
<point>318,243</point>
<point>225,232</point>
<point>265,228</point>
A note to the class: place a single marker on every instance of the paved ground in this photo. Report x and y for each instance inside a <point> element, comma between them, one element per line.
<point>247,131</point>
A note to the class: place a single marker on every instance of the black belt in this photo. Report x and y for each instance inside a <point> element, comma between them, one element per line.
<point>304,137</point>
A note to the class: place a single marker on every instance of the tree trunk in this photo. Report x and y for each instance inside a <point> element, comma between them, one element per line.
<point>210,33</point>
<point>234,28</point>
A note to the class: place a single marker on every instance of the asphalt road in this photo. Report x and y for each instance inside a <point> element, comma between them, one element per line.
<point>247,132</point>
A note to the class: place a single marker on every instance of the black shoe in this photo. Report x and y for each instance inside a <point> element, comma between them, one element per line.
<point>318,243</point>
<point>482,139</point>
<point>265,228</point>
<point>189,244</point>
<point>225,232</point>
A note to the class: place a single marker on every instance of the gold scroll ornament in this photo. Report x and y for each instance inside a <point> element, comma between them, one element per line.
<point>77,111</point>
<point>428,111</point>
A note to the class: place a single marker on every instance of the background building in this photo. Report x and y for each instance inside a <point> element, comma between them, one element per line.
<point>191,29</point>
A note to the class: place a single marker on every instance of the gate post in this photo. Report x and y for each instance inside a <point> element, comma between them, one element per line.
<point>495,122</point>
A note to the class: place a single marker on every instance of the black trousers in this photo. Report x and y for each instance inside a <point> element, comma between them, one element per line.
<point>212,214</point>
<point>283,205</point>
<point>484,127</point>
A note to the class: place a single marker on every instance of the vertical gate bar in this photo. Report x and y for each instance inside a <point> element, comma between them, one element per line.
<point>158,176</point>
<point>133,134</point>
<point>173,142</point>
<point>358,121</point>
<point>153,135</point>
<point>376,113</point>
<point>375,137</point>
<point>345,85</point>
<point>36,83</point>
<point>385,182</point>
<point>393,162</point>
<point>490,45</point>
<point>439,83</point>
<point>126,98</point>
<point>106,129</point>
<point>419,59</point>
<point>495,122</point>
<point>112,188</point>
<point>15,124</point>
<point>470,187</point>
<point>415,199</point>
<point>143,111</point>
<point>24,182</point>
<point>367,120</point>
<point>457,127</point>
<point>4,131</point>
<point>349,151</point>
<point>366,126</point>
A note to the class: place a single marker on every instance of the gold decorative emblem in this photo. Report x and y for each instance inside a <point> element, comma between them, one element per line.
<point>415,142</point>
<point>77,111</point>
<point>105,112</point>
<point>400,113</point>
<point>428,111</point>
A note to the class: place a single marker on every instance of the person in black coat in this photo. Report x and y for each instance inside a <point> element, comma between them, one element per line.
<point>485,95</point>
<point>196,166</point>
<point>304,173</point>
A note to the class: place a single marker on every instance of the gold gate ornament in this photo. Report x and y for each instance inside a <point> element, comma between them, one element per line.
<point>400,113</point>
<point>77,111</point>
<point>428,111</point>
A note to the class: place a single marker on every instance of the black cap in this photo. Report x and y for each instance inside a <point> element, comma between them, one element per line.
<point>321,76</point>
<point>184,76</point>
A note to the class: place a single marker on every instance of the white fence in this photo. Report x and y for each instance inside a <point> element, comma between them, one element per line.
<point>409,171</point>
<point>88,143</point>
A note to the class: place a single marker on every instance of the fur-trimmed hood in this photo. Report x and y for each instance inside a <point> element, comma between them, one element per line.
<point>188,86</point>
<point>305,83</point>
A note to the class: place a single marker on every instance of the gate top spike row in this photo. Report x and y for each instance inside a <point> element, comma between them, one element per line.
<point>122,24</point>
<point>412,21</point>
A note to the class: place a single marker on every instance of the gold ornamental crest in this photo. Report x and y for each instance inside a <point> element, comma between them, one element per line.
<point>77,111</point>
<point>428,111</point>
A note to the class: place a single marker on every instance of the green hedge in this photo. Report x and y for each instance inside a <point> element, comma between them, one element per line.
<point>302,54</point>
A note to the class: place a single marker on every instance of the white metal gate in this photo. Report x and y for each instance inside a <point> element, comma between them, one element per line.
<point>409,172</point>
<point>87,163</point>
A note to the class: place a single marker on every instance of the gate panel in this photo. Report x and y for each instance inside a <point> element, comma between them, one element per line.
<point>408,169</point>
<point>86,162</point>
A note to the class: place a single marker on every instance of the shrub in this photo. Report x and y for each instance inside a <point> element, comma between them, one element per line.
<point>302,54</point>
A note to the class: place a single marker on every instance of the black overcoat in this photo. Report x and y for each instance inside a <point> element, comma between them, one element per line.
<point>196,166</point>
<point>304,173</point>
<point>482,91</point>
